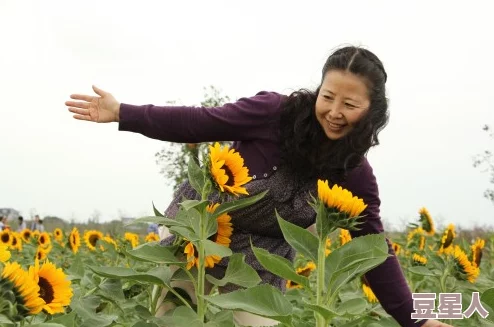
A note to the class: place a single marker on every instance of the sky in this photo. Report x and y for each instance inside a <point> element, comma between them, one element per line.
<point>437,54</point>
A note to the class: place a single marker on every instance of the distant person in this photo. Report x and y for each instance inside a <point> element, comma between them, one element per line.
<point>153,228</point>
<point>35,224</point>
<point>22,224</point>
<point>3,223</point>
<point>41,228</point>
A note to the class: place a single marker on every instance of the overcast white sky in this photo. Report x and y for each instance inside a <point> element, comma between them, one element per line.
<point>438,55</point>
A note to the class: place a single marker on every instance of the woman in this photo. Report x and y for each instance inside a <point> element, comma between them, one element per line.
<point>287,144</point>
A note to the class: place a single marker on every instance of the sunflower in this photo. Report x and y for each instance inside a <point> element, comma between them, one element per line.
<point>26,235</point>
<point>465,270</point>
<point>58,235</point>
<point>345,236</point>
<point>222,237</point>
<point>418,260</point>
<point>42,253</point>
<point>44,239</point>
<point>422,243</point>
<point>327,249</point>
<point>25,288</point>
<point>74,240</point>
<point>307,269</point>
<point>340,199</point>
<point>16,242</point>
<point>228,170</point>
<point>426,220</point>
<point>91,238</point>
<point>477,252</point>
<point>132,238</point>
<point>302,271</point>
<point>5,238</point>
<point>369,294</point>
<point>152,237</point>
<point>35,234</point>
<point>412,234</point>
<point>448,237</point>
<point>396,248</point>
<point>54,287</point>
<point>4,253</point>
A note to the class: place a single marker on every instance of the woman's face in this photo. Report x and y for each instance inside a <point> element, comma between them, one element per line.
<point>343,100</point>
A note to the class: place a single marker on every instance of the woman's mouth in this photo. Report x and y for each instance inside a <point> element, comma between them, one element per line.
<point>335,127</point>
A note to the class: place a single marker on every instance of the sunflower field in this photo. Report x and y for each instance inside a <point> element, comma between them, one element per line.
<point>86,278</point>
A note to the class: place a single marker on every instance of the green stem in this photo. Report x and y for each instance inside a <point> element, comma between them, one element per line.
<point>321,258</point>
<point>155,294</point>
<point>201,309</point>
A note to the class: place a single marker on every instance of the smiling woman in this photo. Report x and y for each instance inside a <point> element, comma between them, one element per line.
<point>287,143</point>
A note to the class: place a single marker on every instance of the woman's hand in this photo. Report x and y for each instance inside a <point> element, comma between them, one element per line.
<point>99,109</point>
<point>435,323</point>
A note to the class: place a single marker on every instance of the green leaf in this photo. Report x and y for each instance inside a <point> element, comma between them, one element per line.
<point>153,252</point>
<point>279,266</point>
<point>189,204</point>
<point>238,273</point>
<point>299,238</point>
<point>156,211</point>
<point>263,300</point>
<point>227,207</point>
<point>5,320</point>
<point>159,277</point>
<point>487,297</point>
<point>47,324</point>
<point>213,248</point>
<point>325,312</point>
<point>421,270</point>
<point>144,324</point>
<point>354,306</point>
<point>156,220</point>
<point>181,316</point>
<point>221,319</point>
<point>67,320</point>
<point>76,269</point>
<point>196,176</point>
<point>86,309</point>
<point>143,312</point>
<point>112,288</point>
<point>353,260</point>
<point>185,232</point>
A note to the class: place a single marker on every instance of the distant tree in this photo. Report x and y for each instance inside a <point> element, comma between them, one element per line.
<point>486,161</point>
<point>174,157</point>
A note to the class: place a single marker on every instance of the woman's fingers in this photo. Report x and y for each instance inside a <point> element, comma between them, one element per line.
<point>82,117</point>
<point>84,105</point>
<point>84,97</point>
<point>78,111</point>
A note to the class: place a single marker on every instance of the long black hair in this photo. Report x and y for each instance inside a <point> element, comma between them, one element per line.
<point>306,150</point>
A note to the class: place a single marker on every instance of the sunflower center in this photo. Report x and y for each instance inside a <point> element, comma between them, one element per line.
<point>228,172</point>
<point>449,239</point>
<point>93,239</point>
<point>478,256</point>
<point>46,291</point>
<point>42,239</point>
<point>14,241</point>
<point>5,238</point>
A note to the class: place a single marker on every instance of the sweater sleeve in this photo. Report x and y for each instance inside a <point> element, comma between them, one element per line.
<point>387,280</point>
<point>245,119</point>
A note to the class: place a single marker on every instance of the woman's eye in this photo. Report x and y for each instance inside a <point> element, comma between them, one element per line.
<point>349,105</point>
<point>328,97</point>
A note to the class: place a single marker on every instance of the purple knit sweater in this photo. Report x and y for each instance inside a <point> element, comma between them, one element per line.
<point>253,125</point>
